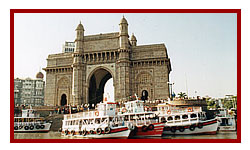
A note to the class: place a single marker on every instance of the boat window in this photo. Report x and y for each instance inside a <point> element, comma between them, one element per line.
<point>224,122</point>
<point>184,116</point>
<point>193,116</point>
<point>170,118</point>
<point>177,117</point>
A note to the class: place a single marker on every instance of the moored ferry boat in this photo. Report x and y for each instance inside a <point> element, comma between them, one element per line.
<point>185,120</point>
<point>100,123</point>
<point>30,121</point>
<point>227,121</point>
<point>143,120</point>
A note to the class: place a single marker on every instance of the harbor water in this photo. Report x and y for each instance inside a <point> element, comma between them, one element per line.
<point>57,135</point>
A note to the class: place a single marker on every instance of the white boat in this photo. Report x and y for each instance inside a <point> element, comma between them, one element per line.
<point>100,123</point>
<point>30,121</point>
<point>226,120</point>
<point>143,120</point>
<point>185,120</point>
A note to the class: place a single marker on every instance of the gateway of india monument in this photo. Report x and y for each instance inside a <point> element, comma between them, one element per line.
<point>78,75</point>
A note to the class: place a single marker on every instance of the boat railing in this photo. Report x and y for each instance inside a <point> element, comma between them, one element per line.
<point>145,122</point>
<point>184,121</point>
<point>88,114</point>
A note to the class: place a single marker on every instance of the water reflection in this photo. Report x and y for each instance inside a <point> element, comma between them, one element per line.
<point>57,135</point>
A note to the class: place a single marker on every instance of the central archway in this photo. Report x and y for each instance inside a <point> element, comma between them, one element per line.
<point>97,83</point>
<point>63,100</point>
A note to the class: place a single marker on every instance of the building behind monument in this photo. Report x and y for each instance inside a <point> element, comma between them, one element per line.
<point>29,91</point>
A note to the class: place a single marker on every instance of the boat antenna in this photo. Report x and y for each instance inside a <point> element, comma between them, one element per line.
<point>186,84</point>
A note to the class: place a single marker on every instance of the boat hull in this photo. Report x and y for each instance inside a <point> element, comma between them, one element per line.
<point>208,127</point>
<point>120,132</point>
<point>157,131</point>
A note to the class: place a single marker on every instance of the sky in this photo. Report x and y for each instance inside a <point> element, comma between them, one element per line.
<point>202,47</point>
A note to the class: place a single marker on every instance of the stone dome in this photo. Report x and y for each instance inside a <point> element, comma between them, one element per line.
<point>80,27</point>
<point>39,75</point>
<point>123,21</point>
<point>133,38</point>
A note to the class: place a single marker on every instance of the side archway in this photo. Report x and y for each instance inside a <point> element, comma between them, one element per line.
<point>63,91</point>
<point>144,85</point>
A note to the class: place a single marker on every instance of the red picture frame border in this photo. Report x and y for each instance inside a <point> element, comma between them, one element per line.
<point>237,11</point>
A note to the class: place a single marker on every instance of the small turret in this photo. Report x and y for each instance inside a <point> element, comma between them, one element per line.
<point>123,33</point>
<point>133,40</point>
<point>79,38</point>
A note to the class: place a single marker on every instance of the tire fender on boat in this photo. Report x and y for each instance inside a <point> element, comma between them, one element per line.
<point>16,128</point>
<point>26,127</point>
<point>99,131</point>
<point>42,126</point>
<point>173,129</point>
<point>200,125</point>
<point>66,132</point>
<point>181,129</point>
<point>37,127</point>
<point>144,128</point>
<point>192,128</point>
<point>107,130</point>
<point>31,127</point>
<point>72,132</point>
<point>151,127</point>
<point>84,132</point>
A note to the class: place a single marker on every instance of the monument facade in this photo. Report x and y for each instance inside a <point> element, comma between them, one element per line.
<point>79,77</point>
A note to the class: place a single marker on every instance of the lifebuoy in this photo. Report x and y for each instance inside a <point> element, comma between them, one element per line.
<point>31,127</point>
<point>151,127</point>
<point>99,131</point>
<point>190,109</point>
<point>200,125</point>
<point>144,128</point>
<point>181,129</point>
<point>15,128</point>
<point>124,110</point>
<point>149,109</point>
<point>169,112</point>
<point>26,127</point>
<point>96,113</point>
<point>192,128</point>
<point>107,130</point>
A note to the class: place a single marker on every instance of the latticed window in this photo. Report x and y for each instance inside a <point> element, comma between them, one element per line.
<point>145,78</point>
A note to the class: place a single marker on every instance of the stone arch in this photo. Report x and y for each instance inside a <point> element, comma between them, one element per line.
<point>63,90</point>
<point>96,81</point>
<point>63,100</point>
